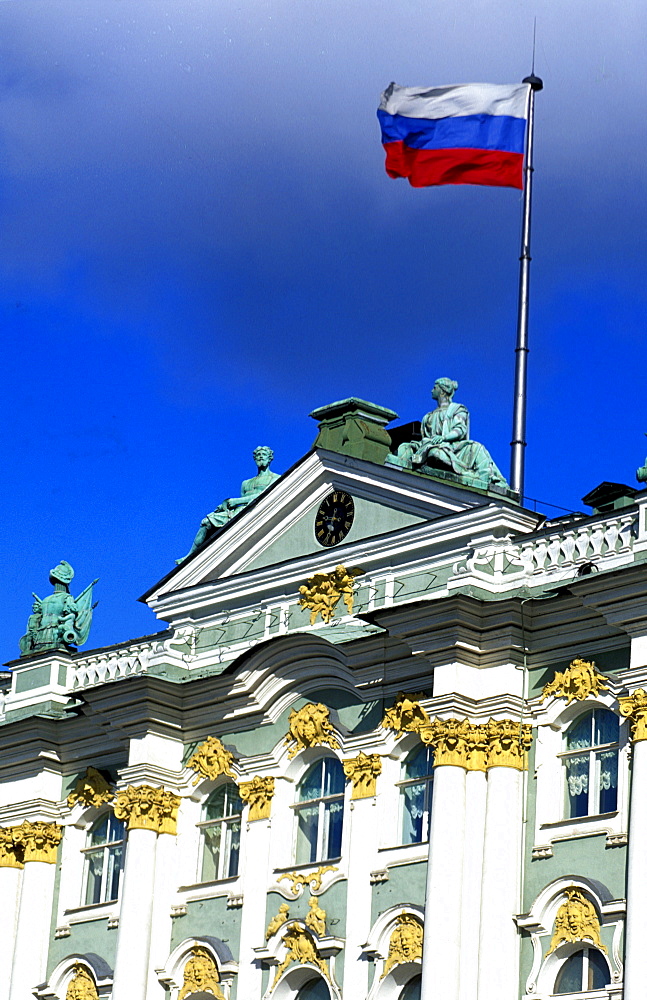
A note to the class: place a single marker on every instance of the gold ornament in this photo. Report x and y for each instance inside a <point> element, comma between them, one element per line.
<point>363,771</point>
<point>450,739</point>
<point>316,917</point>
<point>406,715</point>
<point>277,921</point>
<point>300,880</point>
<point>301,949</point>
<point>39,840</point>
<point>91,789</point>
<point>310,727</point>
<point>580,679</point>
<point>509,742</point>
<point>201,975</point>
<point>81,986</point>
<point>634,708</point>
<point>211,759</point>
<point>11,847</point>
<point>498,743</point>
<point>405,944</point>
<point>147,808</point>
<point>323,591</point>
<point>576,920</point>
<point>258,792</point>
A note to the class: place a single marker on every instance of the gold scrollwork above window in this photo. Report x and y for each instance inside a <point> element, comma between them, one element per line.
<point>147,808</point>
<point>580,679</point>
<point>300,880</point>
<point>11,847</point>
<point>322,592</point>
<point>211,759</point>
<point>39,841</point>
<point>405,944</point>
<point>91,789</point>
<point>576,920</point>
<point>363,771</point>
<point>300,949</point>
<point>406,715</point>
<point>258,793</point>
<point>634,708</point>
<point>201,975</point>
<point>310,726</point>
<point>498,743</point>
<point>81,986</point>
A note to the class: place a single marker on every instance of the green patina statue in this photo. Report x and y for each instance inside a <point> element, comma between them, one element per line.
<point>59,621</point>
<point>250,489</point>
<point>641,473</point>
<point>446,446</point>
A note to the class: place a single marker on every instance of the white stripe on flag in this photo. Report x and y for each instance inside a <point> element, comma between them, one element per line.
<point>455,100</point>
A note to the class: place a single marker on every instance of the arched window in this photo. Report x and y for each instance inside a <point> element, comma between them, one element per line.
<point>316,989</point>
<point>221,833</point>
<point>415,795</point>
<point>585,970</point>
<point>320,812</point>
<point>412,990</point>
<point>590,760</point>
<point>104,860</point>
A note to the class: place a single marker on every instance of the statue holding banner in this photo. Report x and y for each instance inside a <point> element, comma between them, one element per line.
<point>59,621</point>
<point>446,444</point>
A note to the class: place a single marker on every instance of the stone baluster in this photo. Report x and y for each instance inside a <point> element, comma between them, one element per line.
<point>39,842</point>
<point>635,709</point>
<point>11,866</point>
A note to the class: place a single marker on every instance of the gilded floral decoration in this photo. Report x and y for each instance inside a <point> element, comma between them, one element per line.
<point>300,949</point>
<point>310,726</point>
<point>406,715</point>
<point>210,760</point>
<point>39,841</point>
<point>91,789</point>
<point>82,985</point>
<point>314,879</point>
<point>144,807</point>
<point>580,679</point>
<point>576,920</point>
<point>405,944</point>
<point>477,747</point>
<point>634,708</point>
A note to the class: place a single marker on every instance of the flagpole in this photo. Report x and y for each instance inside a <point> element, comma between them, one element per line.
<point>518,443</point>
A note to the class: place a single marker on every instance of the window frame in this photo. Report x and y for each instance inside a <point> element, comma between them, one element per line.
<point>428,781</point>
<point>324,802</point>
<point>584,991</point>
<point>224,822</point>
<point>106,850</point>
<point>594,791</point>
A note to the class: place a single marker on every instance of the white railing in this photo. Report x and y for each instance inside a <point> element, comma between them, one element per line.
<point>112,666</point>
<point>582,543</point>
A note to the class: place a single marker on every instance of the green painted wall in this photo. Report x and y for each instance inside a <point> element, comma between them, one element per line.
<point>209,917</point>
<point>92,935</point>
<point>406,884</point>
<point>28,680</point>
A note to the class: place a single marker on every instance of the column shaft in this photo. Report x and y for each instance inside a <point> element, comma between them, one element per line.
<point>475,805</point>
<point>33,930</point>
<point>636,927</point>
<point>136,916</point>
<point>10,879</point>
<point>363,844</point>
<point>252,929</point>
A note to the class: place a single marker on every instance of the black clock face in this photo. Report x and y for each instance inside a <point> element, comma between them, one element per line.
<point>334,518</point>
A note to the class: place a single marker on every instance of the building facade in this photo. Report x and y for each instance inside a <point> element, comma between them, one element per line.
<point>390,744</point>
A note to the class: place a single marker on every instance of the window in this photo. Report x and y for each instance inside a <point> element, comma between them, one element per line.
<point>104,860</point>
<point>221,834</point>
<point>585,970</point>
<point>316,989</point>
<point>320,812</point>
<point>412,990</point>
<point>590,762</point>
<point>415,795</point>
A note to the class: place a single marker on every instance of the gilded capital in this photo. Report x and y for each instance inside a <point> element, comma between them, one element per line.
<point>580,679</point>
<point>39,840</point>
<point>144,807</point>
<point>210,760</point>
<point>509,742</point>
<point>258,793</point>
<point>11,847</point>
<point>406,715</point>
<point>362,772</point>
<point>91,789</point>
<point>310,726</point>
<point>498,743</point>
<point>451,740</point>
<point>634,708</point>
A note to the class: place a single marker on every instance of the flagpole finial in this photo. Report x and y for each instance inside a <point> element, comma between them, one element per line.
<point>535,82</point>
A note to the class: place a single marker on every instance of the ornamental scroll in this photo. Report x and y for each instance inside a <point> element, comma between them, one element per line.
<point>580,679</point>
<point>310,727</point>
<point>405,944</point>
<point>201,975</point>
<point>314,879</point>
<point>576,920</point>
<point>210,760</point>
<point>634,708</point>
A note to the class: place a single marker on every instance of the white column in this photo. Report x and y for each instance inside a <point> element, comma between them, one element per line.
<point>475,805</point>
<point>136,915</point>
<point>636,927</point>
<point>32,934</point>
<point>441,956</point>
<point>10,879</point>
<point>252,928</point>
<point>498,977</point>
<point>361,859</point>
<point>161,921</point>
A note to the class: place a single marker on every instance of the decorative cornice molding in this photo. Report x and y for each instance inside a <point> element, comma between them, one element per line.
<point>634,708</point>
<point>363,771</point>
<point>497,743</point>
<point>146,808</point>
<point>258,794</point>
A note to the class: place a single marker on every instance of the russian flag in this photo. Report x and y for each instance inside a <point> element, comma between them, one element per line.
<point>470,133</point>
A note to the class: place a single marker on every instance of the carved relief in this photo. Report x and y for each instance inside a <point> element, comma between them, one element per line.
<point>11,847</point>
<point>576,920</point>
<point>201,975</point>
<point>406,715</point>
<point>498,743</point>
<point>450,740</point>
<point>300,880</point>
<point>258,792</point>
<point>580,679</point>
<point>509,742</point>
<point>39,841</point>
<point>634,708</point>
<point>146,808</point>
<point>302,950</point>
<point>405,944</point>
<point>323,591</point>
<point>82,986</point>
<point>316,917</point>
<point>310,727</point>
<point>91,789</point>
<point>363,771</point>
<point>210,760</point>
<point>277,921</point>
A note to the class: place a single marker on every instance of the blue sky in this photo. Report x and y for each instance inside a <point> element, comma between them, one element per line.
<point>199,245</point>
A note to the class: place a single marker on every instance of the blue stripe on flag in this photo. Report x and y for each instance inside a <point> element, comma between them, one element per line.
<point>461,132</point>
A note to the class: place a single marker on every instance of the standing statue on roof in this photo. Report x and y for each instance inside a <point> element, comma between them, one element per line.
<point>446,444</point>
<point>59,621</point>
<point>250,489</point>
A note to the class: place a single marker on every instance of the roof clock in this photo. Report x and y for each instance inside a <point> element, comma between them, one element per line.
<point>334,518</point>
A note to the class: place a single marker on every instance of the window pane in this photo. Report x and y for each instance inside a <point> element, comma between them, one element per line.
<point>233,849</point>
<point>116,829</point>
<point>412,990</point>
<point>225,801</point>
<point>577,785</point>
<point>211,852</point>
<point>94,863</point>
<point>99,834</point>
<point>579,735</point>
<point>307,824</point>
<point>312,783</point>
<point>569,979</point>
<point>606,727</point>
<point>334,780</point>
<point>334,824</point>
<point>413,811</point>
<point>419,764</point>
<point>607,764</point>
<point>598,970</point>
<point>316,989</point>
<point>115,863</point>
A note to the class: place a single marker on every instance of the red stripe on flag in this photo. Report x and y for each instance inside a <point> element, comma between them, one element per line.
<point>426,167</point>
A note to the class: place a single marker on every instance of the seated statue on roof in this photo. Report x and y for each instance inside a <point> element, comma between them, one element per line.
<point>250,489</point>
<point>446,445</point>
<point>59,621</point>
